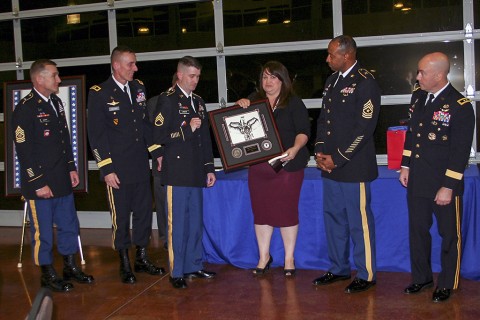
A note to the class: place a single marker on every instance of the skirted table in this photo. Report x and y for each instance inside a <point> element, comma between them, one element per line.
<point>229,235</point>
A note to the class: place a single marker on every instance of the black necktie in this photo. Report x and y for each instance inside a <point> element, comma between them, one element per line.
<point>430,99</point>
<point>54,106</point>
<point>340,78</point>
<point>125,90</point>
<point>190,103</point>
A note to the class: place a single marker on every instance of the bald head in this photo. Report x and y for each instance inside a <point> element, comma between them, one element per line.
<point>432,73</point>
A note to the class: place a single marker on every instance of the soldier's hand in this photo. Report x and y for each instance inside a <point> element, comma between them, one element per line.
<point>74,178</point>
<point>112,180</point>
<point>195,123</point>
<point>44,192</point>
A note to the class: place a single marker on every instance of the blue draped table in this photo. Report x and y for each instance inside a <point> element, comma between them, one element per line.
<point>229,235</point>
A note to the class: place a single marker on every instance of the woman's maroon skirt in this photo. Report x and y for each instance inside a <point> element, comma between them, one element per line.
<point>274,195</point>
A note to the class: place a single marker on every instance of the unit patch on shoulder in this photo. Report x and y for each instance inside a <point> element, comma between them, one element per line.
<point>367,111</point>
<point>19,135</point>
<point>95,88</point>
<point>463,101</point>
<point>159,120</point>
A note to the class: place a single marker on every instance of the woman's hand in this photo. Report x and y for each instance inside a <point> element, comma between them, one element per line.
<point>244,103</point>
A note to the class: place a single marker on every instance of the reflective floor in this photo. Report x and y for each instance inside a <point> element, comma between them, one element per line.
<point>233,294</point>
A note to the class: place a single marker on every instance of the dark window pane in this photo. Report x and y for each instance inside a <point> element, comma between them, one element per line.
<point>55,37</point>
<point>476,13</point>
<point>308,72</point>
<point>6,42</point>
<point>6,6</point>
<point>169,27</point>
<point>251,22</point>
<point>477,65</point>
<point>31,5</point>
<point>412,17</point>
<point>395,66</point>
<point>476,105</point>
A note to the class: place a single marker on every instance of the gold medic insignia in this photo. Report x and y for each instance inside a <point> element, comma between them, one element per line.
<point>96,88</point>
<point>159,120</point>
<point>432,136</point>
<point>367,111</point>
<point>115,121</point>
<point>463,100</point>
<point>19,135</point>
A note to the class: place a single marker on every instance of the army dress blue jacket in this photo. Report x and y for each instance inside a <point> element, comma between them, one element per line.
<point>346,125</point>
<point>438,141</point>
<point>119,131</point>
<point>43,146</point>
<point>187,155</point>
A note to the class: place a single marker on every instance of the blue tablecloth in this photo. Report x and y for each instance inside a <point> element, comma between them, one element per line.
<point>229,235</point>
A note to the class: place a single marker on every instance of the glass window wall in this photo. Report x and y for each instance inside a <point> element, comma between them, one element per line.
<point>55,37</point>
<point>32,5</point>
<point>247,22</point>
<point>363,17</point>
<point>168,27</point>
<point>6,42</point>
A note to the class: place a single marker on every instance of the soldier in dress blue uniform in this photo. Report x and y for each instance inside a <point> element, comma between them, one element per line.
<point>48,176</point>
<point>345,152</point>
<point>435,155</point>
<point>120,136</point>
<point>181,127</point>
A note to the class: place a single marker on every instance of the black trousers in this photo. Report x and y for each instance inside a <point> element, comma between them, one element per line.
<point>133,199</point>
<point>420,214</point>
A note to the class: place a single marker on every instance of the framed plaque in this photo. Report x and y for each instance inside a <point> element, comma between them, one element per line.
<point>72,94</point>
<point>245,136</point>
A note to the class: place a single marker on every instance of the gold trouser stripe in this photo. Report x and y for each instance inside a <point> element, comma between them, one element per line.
<point>366,231</point>
<point>113,211</point>
<point>170,227</point>
<point>36,236</point>
<point>459,241</point>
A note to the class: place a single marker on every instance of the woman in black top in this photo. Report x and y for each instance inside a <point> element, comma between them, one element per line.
<point>275,196</point>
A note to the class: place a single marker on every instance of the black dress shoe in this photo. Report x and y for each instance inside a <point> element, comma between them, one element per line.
<point>143,264</point>
<point>359,285</point>
<point>178,283</point>
<point>262,271</point>
<point>51,280</point>
<point>329,278</point>
<point>417,287</point>
<point>202,274</point>
<point>440,295</point>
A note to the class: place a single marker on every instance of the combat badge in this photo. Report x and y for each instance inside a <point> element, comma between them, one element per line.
<point>19,135</point>
<point>367,111</point>
<point>159,120</point>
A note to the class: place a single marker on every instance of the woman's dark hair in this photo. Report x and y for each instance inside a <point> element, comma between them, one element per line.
<point>278,70</point>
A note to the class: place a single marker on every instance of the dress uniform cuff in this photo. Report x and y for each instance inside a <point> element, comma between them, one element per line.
<point>452,179</point>
<point>156,152</point>
<point>72,166</point>
<point>37,182</point>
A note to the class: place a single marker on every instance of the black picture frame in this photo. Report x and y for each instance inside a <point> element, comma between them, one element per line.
<point>72,94</point>
<point>245,136</point>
